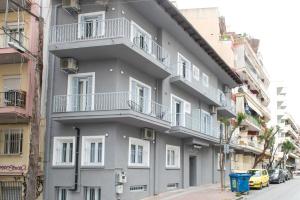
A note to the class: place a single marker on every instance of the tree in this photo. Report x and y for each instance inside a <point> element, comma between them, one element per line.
<point>268,139</point>
<point>287,147</point>
<point>226,140</point>
<point>273,152</point>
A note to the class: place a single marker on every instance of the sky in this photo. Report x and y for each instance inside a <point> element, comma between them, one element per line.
<point>276,24</point>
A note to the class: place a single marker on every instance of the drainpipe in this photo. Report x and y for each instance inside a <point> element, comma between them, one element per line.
<point>76,159</point>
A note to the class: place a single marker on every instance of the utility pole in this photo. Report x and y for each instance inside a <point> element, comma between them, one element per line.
<point>35,54</point>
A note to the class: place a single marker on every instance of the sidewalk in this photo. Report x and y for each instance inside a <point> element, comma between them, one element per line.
<point>204,192</point>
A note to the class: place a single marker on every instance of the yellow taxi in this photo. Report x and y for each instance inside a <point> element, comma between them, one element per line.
<point>259,178</point>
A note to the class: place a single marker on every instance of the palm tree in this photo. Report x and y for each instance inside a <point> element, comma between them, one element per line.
<point>287,147</point>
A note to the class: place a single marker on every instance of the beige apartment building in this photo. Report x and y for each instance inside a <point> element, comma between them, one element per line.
<point>252,98</point>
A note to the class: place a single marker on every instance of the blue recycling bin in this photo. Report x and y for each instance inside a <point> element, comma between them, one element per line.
<point>239,182</point>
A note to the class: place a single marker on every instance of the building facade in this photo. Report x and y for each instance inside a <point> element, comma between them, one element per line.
<point>134,98</point>
<point>18,35</point>
<point>288,128</point>
<point>240,52</point>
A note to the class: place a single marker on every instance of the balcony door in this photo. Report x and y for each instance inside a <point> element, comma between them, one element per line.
<point>140,96</point>
<point>140,37</point>
<point>178,111</point>
<point>81,92</point>
<point>91,25</point>
<point>184,67</point>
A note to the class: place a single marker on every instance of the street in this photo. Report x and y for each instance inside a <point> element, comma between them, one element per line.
<point>288,190</point>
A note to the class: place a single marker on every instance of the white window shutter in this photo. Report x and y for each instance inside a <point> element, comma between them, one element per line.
<point>187,107</point>
<point>188,71</point>
<point>196,73</point>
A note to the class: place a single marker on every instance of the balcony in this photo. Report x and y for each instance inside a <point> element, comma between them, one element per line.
<point>196,88</point>
<point>113,106</point>
<point>227,108</point>
<point>114,38</point>
<point>252,123</point>
<point>11,55</point>
<point>289,130</point>
<point>13,107</point>
<point>186,125</point>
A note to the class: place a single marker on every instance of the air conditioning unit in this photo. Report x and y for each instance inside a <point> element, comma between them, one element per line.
<point>148,134</point>
<point>213,109</point>
<point>71,6</point>
<point>69,65</point>
<point>121,177</point>
<point>17,46</point>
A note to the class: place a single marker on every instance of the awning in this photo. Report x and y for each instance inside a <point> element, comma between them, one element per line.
<point>253,107</point>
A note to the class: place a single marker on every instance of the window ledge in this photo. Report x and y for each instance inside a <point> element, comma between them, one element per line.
<point>63,166</point>
<point>87,167</point>
<point>138,167</point>
<point>173,168</point>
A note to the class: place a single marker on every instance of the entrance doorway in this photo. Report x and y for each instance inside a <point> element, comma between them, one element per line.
<point>193,174</point>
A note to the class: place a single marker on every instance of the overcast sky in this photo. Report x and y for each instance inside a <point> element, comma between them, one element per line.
<point>276,24</point>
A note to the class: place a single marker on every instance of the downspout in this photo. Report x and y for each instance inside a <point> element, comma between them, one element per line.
<point>154,172</point>
<point>76,159</point>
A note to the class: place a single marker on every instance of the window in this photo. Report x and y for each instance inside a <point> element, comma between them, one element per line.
<point>138,188</point>
<point>184,67</point>
<point>179,108</point>
<point>140,96</point>
<point>61,193</point>
<point>141,38</point>
<point>10,190</point>
<point>205,80</point>
<point>11,141</point>
<point>172,156</point>
<point>206,122</point>
<point>196,73</point>
<point>93,150</point>
<point>139,152</point>
<point>81,88</point>
<point>222,99</point>
<point>172,186</point>
<point>92,193</point>
<point>91,25</point>
<point>64,151</point>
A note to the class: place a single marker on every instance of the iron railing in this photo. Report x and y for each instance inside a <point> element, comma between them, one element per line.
<point>11,190</point>
<point>108,102</point>
<point>13,98</point>
<point>18,38</point>
<point>109,29</point>
<point>185,71</point>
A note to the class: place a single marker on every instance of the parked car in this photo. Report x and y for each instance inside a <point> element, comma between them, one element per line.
<point>259,179</point>
<point>287,174</point>
<point>296,173</point>
<point>276,176</point>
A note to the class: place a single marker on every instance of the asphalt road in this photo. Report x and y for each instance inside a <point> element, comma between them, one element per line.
<point>290,190</point>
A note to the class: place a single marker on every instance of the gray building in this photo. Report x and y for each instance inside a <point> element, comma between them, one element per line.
<point>134,98</point>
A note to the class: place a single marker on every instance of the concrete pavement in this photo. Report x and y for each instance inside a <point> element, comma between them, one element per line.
<point>204,192</point>
<point>290,190</point>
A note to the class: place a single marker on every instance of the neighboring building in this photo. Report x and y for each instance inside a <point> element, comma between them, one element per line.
<point>17,35</point>
<point>135,94</point>
<point>241,53</point>
<point>288,128</point>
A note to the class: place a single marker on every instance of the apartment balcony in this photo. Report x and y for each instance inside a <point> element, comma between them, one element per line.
<point>254,81</point>
<point>288,129</point>
<point>252,123</point>
<point>114,38</point>
<point>192,125</point>
<point>113,106</point>
<point>8,54</point>
<point>249,145</point>
<point>207,94</point>
<point>13,107</point>
<point>227,108</point>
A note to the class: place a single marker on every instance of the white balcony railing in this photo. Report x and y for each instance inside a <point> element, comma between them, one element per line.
<point>109,102</point>
<point>226,102</point>
<point>194,122</point>
<point>109,29</point>
<point>186,73</point>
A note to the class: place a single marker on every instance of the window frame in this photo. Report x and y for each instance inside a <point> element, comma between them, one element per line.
<point>8,132</point>
<point>205,80</point>
<point>131,79</point>
<point>80,17</point>
<point>88,188</point>
<point>185,105</point>
<point>203,113</point>
<point>87,140</point>
<point>196,73</point>
<point>58,191</point>
<point>58,140</point>
<point>176,150</point>
<point>188,69</point>
<point>146,146</point>
<point>142,30</point>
